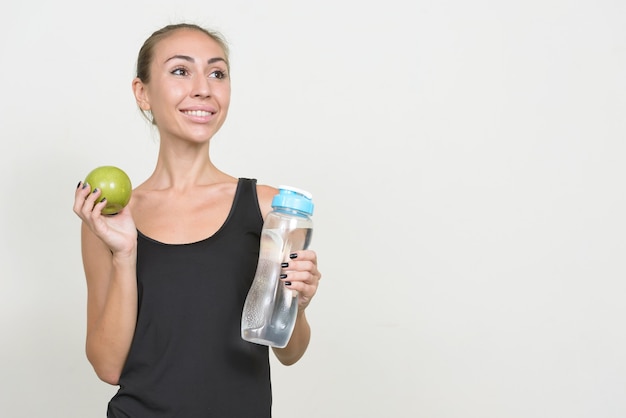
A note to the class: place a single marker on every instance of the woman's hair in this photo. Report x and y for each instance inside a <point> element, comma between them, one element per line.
<point>146,53</point>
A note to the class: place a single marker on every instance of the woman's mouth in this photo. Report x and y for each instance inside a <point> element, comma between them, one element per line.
<point>197,113</point>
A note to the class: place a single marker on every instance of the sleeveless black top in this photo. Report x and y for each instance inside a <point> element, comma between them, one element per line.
<point>187,357</point>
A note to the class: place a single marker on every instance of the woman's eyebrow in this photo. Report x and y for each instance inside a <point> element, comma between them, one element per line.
<point>190,59</point>
<point>216,59</point>
<point>181,57</point>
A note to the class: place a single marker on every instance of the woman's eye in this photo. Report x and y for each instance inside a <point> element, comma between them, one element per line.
<point>179,71</point>
<point>219,74</point>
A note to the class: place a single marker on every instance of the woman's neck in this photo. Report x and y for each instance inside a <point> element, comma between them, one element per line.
<point>184,167</point>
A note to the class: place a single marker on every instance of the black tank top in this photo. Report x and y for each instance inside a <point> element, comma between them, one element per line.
<point>187,358</point>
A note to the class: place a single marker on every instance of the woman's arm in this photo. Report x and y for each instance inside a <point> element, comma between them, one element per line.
<point>298,343</point>
<point>109,254</point>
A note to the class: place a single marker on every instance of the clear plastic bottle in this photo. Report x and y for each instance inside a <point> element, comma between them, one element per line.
<point>270,310</point>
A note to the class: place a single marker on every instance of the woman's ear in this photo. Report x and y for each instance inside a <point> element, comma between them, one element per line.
<point>141,96</point>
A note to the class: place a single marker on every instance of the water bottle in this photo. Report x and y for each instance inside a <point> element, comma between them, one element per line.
<point>269,313</point>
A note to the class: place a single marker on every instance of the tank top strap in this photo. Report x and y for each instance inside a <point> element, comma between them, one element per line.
<point>246,210</point>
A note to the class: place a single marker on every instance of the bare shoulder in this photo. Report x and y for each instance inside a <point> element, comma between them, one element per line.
<point>138,196</point>
<point>265,194</point>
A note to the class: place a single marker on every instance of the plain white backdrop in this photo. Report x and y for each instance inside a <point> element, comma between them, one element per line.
<point>467,161</point>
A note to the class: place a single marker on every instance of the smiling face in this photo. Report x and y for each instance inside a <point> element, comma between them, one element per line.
<point>188,91</point>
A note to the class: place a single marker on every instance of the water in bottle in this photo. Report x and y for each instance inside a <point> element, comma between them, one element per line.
<point>270,309</point>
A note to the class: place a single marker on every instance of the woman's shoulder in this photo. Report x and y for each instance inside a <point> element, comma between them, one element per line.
<point>265,194</point>
<point>266,191</point>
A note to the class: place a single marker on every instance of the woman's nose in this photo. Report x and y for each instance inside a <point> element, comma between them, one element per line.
<point>201,87</point>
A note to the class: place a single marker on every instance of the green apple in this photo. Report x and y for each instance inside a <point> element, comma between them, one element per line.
<point>115,186</point>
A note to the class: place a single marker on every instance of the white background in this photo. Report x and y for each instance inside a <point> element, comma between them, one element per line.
<point>467,160</point>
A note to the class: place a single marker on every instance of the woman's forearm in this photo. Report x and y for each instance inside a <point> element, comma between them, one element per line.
<point>298,343</point>
<point>110,335</point>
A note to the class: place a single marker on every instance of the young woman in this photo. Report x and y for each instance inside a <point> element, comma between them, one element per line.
<point>167,276</point>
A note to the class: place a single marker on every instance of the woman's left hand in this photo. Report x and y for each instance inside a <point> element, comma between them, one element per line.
<point>300,273</point>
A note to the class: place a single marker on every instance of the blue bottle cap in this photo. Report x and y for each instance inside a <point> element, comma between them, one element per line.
<point>293,198</point>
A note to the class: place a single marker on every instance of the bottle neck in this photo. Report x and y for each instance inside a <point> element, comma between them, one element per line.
<point>290,211</point>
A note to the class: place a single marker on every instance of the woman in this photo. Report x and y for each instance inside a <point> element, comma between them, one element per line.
<point>168,275</point>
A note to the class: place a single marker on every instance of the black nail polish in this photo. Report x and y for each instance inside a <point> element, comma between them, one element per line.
<point>284,265</point>
<point>78,185</point>
<point>283,276</point>
<point>95,190</point>
<point>287,283</point>
<point>292,256</point>
<point>85,184</point>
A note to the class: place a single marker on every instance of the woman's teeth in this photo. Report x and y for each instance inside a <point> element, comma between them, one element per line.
<point>196,112</point>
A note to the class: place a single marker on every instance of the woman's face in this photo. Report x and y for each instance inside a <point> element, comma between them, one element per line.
<point>189,89</point>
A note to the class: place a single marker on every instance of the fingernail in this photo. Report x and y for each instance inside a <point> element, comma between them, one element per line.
<point>283,276</point>
<point>294,255</point>
<point>95,190</point>
<point>78,185</point>
<point>85,184</point>
<point>287,283</point>
<point>284,265</point>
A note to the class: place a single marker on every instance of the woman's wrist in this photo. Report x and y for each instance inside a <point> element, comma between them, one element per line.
<point>125,258</point>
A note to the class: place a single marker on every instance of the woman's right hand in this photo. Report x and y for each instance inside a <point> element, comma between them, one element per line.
<point>117,231</point>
